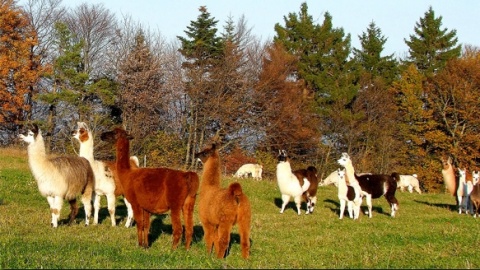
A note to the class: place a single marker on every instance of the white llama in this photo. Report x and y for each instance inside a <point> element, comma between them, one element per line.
<point>59,177</point>
<point>348,195</point>
<point>289,184</point>
<point>104,176</point>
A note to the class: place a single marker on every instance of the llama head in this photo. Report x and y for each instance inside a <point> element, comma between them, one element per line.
<point>282,156</point>
<point>446,163</point>
<point>344,159</point>
<point>31,135</point>
<point>475,177</point>
<point>341,172</point>
<point>81,132</point>
<point>206,153</point>
<point>114,135</point>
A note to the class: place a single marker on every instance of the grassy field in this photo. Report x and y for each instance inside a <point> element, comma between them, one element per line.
<point>426,233</point>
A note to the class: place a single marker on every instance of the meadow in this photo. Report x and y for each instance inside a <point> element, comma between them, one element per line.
<point>426,233</point>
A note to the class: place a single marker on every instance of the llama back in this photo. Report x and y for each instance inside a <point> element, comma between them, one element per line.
<point>193,182</point>
<point>77,172</point>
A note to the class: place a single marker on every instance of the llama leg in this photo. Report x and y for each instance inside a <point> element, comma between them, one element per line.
<point>342,208</point>
<point>188,209</point>
<point>73,210</point>
<point>209,235</point>
<point>111,207</point>
<point>350,209</point>
<point>176,226</point>
<point>223,239</point>
<point>285,200</point>
<point>55,208</point>
<point>459,198</point>
<point>369,205</point>
<point>96,208</point>
<point>129,221</point>
<point>298,203</point>
<point>146,228</point>
<point>87,205</point>
<point>244,221</point>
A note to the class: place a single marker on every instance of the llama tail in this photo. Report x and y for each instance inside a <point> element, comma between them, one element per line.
<point>193,183</point>
<point>235,189</point>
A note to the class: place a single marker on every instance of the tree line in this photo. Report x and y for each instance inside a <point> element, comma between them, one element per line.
<point>306,91</point>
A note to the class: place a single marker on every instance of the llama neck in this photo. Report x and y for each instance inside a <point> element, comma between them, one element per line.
<point>342,185</point>
<point>86,148</point>
<point>212,171</point>
<point>37,158</point>
<point>350,174</point>
<point>123,160</point>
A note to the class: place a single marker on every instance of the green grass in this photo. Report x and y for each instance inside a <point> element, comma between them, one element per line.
<point>426,233</point>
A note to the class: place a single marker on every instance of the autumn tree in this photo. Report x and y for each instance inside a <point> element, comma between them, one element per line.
<point>140,92</point>
<point>375,139</point>
<point>19,67</point>
<point>431,46</point>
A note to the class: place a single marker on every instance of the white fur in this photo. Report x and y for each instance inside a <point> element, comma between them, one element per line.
<point>52,183</point>
<point>289,185</point>
<point>353,205</point>
<point>254,169</point>
<point>104,182</point>
<point>463,192</point>
<point>410,182</point>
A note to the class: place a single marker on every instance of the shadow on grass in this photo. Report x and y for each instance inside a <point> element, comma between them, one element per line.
<point>451,207</point>
<point>290,205</point>
<point>336,208</point>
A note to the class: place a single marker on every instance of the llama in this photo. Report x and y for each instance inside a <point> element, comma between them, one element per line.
<point>221,208</point>
<point>350,195</point>
<point>104,176</point>
<point>310,195</point>
<point>289,184</point>
<point>448,173</point>
<point>333,179</point>
<point>373,186</point>
<point>59,178</point>
<point>154,191</point>
<point>464,189</point>
<point>254,169</point>
<point>410,182</point>
<point>475,194</point>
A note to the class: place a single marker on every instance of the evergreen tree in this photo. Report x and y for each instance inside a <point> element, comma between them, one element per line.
<point>370,55</point>
<point>431,47</point>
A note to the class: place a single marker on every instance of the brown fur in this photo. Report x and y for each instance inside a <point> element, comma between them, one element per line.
<point>221,208</point>
<point>155,191</point>
<point>475,199</point>
<point>310,196</point>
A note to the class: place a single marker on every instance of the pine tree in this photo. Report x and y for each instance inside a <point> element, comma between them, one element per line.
<point>370,55</point>
<point>431,47</point>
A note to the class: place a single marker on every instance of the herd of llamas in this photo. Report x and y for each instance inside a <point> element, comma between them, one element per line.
<point>149,191</point>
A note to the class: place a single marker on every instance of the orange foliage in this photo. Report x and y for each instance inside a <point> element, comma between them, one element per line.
<point>19,70</point>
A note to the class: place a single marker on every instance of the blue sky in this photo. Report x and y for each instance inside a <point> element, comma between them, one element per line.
<point>395,18</point>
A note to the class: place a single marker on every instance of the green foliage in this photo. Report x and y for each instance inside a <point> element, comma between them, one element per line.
<point>427,233</point>
<point>431,47</point>
<point>164,150</point>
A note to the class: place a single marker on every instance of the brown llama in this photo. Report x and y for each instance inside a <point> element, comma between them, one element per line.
<point>155,191</point>
<point>221,208</point>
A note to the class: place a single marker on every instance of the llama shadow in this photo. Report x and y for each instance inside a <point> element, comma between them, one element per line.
<point>363,208</point>
<point>451,207</point>
<point>290,205</point>
<point>157,228</point>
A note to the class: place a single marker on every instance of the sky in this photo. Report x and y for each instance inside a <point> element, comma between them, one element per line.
<point>395,18</point>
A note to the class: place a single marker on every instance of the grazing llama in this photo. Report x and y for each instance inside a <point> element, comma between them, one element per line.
<point>373,185</point>
<point>155,191</point>
<point>104,176</point>
<point>221,208</point>
<point>350,195</point>
<point>410,182</point>
<point>288,183</point>
<point>475,194</point>
<point>310,195</point>
<point>254,169</point>
<point>465,187</point>
<point>59,177</point>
